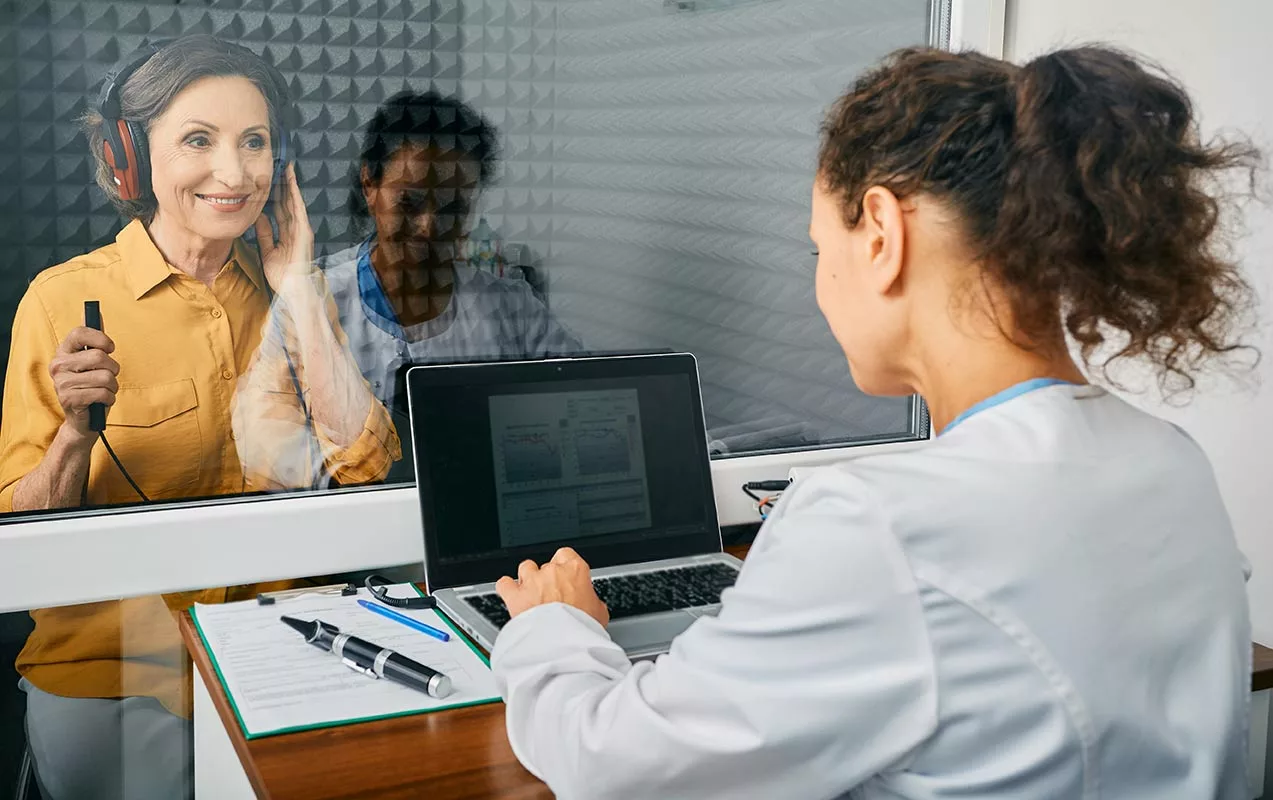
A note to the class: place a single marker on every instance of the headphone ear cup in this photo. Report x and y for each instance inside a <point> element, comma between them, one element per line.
<point>276,178</point>
<point>141,157</point>
<point>282,157</point>
<point>125,176</point>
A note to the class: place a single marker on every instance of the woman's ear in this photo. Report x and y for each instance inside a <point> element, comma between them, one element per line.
<point>885,237</point>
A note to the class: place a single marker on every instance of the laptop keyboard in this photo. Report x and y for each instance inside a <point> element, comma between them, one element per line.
<point>640,593</point>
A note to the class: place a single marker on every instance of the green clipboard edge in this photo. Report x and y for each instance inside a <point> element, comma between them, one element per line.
<point>194,616</point>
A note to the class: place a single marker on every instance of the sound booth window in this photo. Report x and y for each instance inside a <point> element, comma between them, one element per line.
<point>483,179</point>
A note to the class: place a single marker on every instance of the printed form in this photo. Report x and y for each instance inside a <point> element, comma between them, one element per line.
<point>278,683</point>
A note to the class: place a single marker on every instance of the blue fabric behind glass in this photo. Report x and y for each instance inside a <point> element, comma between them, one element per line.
<point>373,294</point>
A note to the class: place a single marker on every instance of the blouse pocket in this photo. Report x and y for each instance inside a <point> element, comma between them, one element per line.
<point>154,429</point>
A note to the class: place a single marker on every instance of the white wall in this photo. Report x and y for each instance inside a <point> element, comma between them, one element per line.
<point>1220,51</point>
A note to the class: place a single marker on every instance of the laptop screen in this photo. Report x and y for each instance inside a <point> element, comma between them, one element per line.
<point>606,455</point>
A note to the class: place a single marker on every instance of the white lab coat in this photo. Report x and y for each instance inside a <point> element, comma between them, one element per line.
<point>1046,602</point>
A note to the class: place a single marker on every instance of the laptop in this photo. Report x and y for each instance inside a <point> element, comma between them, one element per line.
<point>606,455</point>
<point>403,470</point>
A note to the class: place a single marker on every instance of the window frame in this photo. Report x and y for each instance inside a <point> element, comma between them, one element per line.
<point>65,558</point>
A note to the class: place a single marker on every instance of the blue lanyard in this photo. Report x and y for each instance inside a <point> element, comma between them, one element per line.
<point>373,294</point>
<point>1025,387</point>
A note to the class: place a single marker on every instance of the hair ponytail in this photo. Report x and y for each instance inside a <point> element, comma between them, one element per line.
<point>1113,202</point>
<point>1083,184</point>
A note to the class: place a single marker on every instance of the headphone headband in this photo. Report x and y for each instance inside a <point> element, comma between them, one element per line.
<point>108,102</point>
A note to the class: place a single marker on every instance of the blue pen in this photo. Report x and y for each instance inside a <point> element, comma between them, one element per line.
<point>405,620</point>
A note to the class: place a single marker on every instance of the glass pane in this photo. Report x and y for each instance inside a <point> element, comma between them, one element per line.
<point>561,177</point>
<point>677,162</point>
<point>619,177</point>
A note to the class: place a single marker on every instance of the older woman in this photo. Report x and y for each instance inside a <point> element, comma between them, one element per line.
<point>186,304</point>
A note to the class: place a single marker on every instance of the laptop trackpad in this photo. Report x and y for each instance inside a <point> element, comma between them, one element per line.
<point>643,632</point>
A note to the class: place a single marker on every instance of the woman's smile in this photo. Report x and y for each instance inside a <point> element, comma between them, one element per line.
<point>225,203</point>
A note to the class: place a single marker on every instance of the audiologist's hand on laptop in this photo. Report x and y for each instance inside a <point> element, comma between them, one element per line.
<point>566,579</point>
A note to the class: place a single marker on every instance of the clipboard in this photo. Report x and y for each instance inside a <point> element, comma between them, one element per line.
<point>277,683</point>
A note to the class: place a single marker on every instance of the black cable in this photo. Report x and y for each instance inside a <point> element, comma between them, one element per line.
<point>751,487</point>
<point>376,583</point>
<point>84,489</point>
<point>127,477</point>
<point>770,486</point>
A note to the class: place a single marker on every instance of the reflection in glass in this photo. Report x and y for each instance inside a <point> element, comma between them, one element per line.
<point>408,293</point>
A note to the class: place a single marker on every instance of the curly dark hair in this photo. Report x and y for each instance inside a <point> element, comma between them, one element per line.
<point>428,118</point>
<point>1083,187</point>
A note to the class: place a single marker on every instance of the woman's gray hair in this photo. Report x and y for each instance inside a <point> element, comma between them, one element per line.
<point>150,89</point>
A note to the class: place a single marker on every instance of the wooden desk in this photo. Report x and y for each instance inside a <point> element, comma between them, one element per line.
<point>460,753</point>
<point>391,758</point>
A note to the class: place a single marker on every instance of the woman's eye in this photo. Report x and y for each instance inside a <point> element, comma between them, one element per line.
<point>198,141</point>
<point>256,143</point>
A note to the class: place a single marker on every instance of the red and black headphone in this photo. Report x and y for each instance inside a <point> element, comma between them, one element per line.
<point>124,141</point>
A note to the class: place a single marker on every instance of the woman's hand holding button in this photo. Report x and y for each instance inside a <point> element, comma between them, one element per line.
<point>83,373</point>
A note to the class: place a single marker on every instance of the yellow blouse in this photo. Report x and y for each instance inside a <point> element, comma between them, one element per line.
<point>181,346</point>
